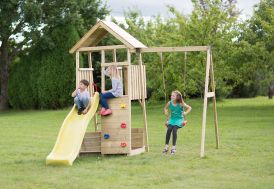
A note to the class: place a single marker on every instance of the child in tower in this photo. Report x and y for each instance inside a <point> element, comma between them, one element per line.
<point>115,91</point>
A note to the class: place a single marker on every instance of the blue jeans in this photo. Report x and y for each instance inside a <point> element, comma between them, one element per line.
<point>81,103</point>
<point>104,97</point>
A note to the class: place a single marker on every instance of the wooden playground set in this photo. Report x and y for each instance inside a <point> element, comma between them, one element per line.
<point>115,134</point>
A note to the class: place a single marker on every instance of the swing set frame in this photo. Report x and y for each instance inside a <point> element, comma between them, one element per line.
<point>209,89</point>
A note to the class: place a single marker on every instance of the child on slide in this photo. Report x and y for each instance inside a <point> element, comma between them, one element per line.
<point>82,97</point>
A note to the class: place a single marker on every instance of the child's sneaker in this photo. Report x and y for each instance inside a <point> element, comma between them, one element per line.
<point>80,110</point>
<point>107,112</point>
<point>173,151</point>
<point>184,123</point>
<point>102,111</point>
<point>165,151</point>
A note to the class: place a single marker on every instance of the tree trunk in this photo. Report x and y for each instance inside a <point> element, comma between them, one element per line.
<point>4,76</point>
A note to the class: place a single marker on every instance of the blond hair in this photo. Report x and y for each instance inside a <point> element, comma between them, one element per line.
<point>114,71</point>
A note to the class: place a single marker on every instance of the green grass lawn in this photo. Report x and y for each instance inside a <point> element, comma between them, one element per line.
<point>245,158</point>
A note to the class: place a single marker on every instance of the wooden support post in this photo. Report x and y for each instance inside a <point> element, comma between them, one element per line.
<point>163,75</point>
<point>77,68</point>
<point>128,84</point>
<point>214,102</point>
<point>202,153</point>
<point>102,70</point>
<point>114,55</point>
<point>139,56</point>
<point>89,60</point>
<point>92,89</point>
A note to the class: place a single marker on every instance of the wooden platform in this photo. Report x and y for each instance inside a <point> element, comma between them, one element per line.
<point>91,143</point>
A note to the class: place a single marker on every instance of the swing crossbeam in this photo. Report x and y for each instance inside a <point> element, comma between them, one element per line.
<point>175,49</point>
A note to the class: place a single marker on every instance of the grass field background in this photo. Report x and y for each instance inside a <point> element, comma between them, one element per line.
<point>245,158</point>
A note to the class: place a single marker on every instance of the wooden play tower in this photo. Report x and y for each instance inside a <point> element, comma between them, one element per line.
<point>116,135</point>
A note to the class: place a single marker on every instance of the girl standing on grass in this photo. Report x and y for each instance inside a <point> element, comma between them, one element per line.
<point>176,120</point>
<point>116,91</point>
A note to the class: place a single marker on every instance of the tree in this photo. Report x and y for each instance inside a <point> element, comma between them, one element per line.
<point>26,21</point>
<point>212,23</point>
<point>253,56</point>
<point>18,18</point>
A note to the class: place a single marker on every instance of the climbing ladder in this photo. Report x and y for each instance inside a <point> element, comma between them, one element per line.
<point>116,135</point>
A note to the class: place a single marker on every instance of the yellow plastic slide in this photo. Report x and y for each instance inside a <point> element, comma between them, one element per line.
<point>71,135</point>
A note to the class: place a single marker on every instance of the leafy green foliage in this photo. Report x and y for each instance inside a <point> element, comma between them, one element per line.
<point>242,51</point>
<point>46,68</point>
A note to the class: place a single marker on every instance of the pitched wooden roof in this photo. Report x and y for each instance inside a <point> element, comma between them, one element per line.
<point>100,29</point>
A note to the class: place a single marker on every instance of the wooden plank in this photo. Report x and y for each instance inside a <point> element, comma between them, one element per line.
<point>132,95</point>
<point>91,142</point>
<point>139,56</point>
<point>125,80</point>
<point>115,139</point>
<point>99,48</point>
<point>77,66</point>
<point>137,151</point>
<point>89,60</point>
<point>115,63</point>
<point>137,83</point>
<point>214,103</point>
<point>114,55</point>
<point>210,94</point>
<point>202,152</point>
<point>85,69</point>
<point>174,49</point>
<point>90,150</point>
<point>92,134</point>
<point>118,114</point>
<point>137,144</point>
<point>137,137</point>
<point>145,80</point>
<point>117,102</point>
<point>102,70</point>
<point>114,123</point>
<point>114,144</point>
<point>115,132</point>
<point>117,150</point>
<point>137,130</point>
<point>113,120</point>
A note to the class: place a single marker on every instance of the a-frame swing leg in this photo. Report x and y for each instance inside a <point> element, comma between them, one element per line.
<point>202,152</point>
<point>207,94</point>
<point>141,74</point>
<point>214,102</point>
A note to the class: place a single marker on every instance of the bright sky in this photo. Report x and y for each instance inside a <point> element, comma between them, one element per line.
<point>153,7</point>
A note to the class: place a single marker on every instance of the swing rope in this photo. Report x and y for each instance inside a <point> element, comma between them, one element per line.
<point>163,75</point>
<point>185,74</point>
